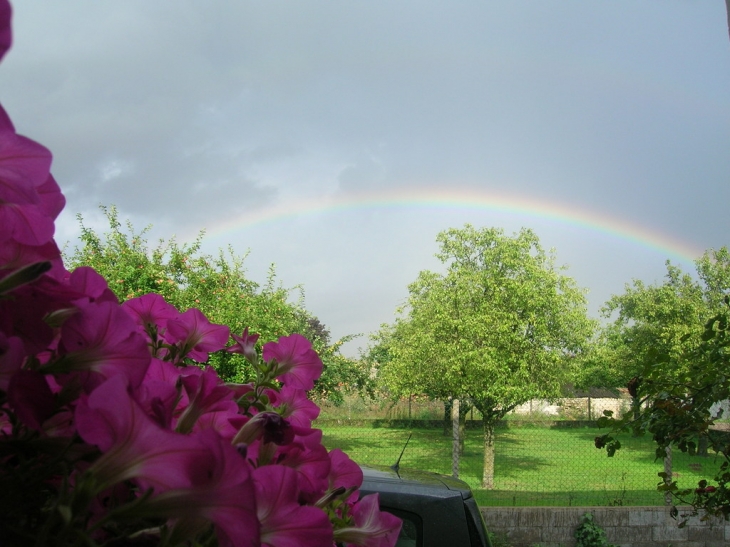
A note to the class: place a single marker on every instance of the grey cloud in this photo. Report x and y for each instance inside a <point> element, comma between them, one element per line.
<point>188,112</point>
<point>366,172</point>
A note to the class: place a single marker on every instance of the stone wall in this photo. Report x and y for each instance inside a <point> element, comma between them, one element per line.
<point>624,526</point>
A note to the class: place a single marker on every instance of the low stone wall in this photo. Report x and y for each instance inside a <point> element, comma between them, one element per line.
<point>624,526</point>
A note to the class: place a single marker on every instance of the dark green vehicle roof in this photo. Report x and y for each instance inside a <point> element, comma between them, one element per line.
<point>423,482</point>
<point>438,510</point>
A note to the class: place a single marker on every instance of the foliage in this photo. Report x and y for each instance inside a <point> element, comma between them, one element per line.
<point>341,374</point>
<point>499,540</point>
<point>385,357</point>
<point>680,414</point>
<point>111,430</point>
<point>655,320</point>
<point>680,383</point>
<point>218,286</point>
<point>499,328</point>
<point>606,363</point>
<point>501,312</point>
<point>589,534</point>
<point>662,321</point>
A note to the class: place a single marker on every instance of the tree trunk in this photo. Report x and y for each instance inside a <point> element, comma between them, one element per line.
<point>636,411</point>
<point>488,471</point>
<point>668,471</point>
<point>447,417</point>
<point>703,444</point>
<point>455,450</point>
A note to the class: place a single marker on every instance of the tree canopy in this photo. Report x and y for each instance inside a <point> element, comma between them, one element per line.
<point>678,334</point>
<point>644,321</point>
<point>219,287</point>
<point>660,322</point>
<point>501,326</point>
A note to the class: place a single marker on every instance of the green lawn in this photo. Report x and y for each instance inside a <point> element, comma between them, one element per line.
<point>533,465</point>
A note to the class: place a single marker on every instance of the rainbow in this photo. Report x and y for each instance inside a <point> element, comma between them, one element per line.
<point>469,200</point>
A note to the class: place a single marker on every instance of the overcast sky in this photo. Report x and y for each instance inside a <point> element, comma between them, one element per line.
<point>336,139</point>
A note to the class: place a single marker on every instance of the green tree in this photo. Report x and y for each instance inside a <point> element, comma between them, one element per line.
<point>660,323</point>
<point>500,327</point>
<point>681,412</point>
<point>657,319</point>
<point>647,320</point>
<point>604,363</point>
<point>218,286</point>
<point>684,362</point>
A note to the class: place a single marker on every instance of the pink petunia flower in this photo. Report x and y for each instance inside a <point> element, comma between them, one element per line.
<point>269,427</point>
<point>89,282</point>
<point>24,166</point>
<point>27,193</point>
<point>285,523</point>
<point>343,472</point>
<point>298,365</point>
<point>245,345</point>
<point>5,32</point>
<point>226,423</point>
<point>101,341</point>
<point>25,314</point>
<point>206,393</point>
<point>163,379</point>
<point>15,255</point>
<point>159,397</point>
<point>305,454</point>
<point>24,224</point>
<point>133,445</point>
<point>52,201</point>
<point>220,489</point>
<point>12,355</point>
<point>294,405</point>
<point>150,309</point>
<point>166,372</point>
<point>373,528</point>
<point>196,336</point>
<point>31,398</point>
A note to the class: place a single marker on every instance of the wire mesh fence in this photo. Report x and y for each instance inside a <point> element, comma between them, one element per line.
<point>536,463</point>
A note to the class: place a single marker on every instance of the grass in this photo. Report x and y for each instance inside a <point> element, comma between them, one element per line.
<point>533,465</point>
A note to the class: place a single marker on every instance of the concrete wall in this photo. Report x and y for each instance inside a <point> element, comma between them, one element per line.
<point>582,407</point>
<point>624,526</point>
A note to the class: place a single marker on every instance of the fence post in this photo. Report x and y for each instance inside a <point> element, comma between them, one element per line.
<point>455,438</point>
